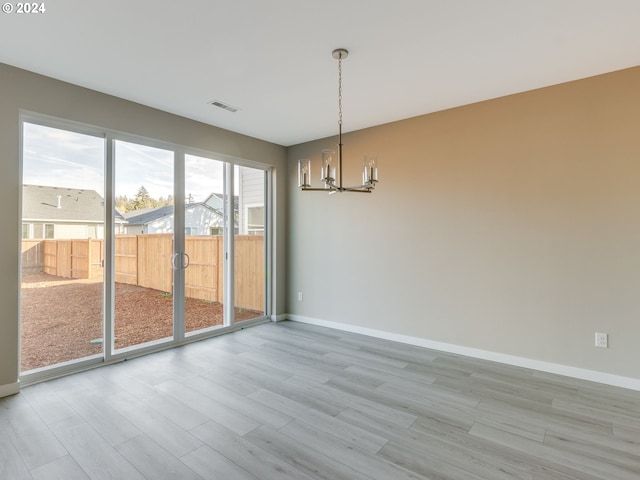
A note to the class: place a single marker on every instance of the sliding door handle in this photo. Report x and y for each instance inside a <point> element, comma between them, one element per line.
<point>184,260</point>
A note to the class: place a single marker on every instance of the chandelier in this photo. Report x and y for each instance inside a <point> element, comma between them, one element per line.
<point>329,160</point>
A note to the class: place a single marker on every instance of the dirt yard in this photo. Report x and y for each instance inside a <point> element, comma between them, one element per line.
<point>62,318</point>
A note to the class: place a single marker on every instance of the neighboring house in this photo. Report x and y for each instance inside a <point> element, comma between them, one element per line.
<point>62,213</point>
<point>149,220</point>
<point>201,218</point>
<point>251,209</point>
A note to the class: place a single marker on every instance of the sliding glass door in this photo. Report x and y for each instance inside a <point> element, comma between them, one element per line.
<point>249,244</point>
<point>204,244</point>
<point>133,245</point>
<point>62,281</point>
<point>143,244</point>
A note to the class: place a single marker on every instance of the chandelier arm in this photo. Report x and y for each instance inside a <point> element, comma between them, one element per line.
<point>316,189</point>
<point>358,189</point>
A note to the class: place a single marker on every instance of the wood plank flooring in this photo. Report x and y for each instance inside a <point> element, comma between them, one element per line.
<point>294,401</point>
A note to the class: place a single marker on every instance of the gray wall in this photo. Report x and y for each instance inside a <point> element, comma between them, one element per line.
<point>25,90</point>
<point>510,226</point>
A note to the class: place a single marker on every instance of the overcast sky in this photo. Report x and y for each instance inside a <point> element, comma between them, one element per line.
<point>60,158</point>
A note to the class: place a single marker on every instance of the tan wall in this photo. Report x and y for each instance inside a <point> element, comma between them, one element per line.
<point>511,226</point>
<point>27,91</point>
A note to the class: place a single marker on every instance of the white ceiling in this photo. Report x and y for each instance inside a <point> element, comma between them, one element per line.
<point>272,58</point>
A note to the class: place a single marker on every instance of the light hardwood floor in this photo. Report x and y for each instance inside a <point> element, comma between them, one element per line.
<point>293,401</point>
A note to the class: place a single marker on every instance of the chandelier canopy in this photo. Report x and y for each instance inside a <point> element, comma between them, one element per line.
<point>333,183</point>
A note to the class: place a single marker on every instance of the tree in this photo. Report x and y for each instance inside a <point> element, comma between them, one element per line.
<point>141,200</point>
<point>122,204</point>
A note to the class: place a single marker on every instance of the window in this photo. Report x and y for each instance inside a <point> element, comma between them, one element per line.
<point>255,220</point>
<point>145,174</point>
<point>215,230</point>
<point>189,231</point>
<point>25,230</point>
<point>62,171</point>
<point>249,245</point>
<point>38,231</point>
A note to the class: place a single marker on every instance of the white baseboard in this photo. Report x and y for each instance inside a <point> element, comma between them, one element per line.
<point>279,318</point>
<point>581,373</point>
<point>9,389</point>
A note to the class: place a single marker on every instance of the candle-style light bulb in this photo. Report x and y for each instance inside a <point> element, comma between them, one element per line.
<point>328,175</point>
<point>304,173</point>
<point>370,169</point>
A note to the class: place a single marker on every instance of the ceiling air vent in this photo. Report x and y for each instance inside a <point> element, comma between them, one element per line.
<point>225,106</point>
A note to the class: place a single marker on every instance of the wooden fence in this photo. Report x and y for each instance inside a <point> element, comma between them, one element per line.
<point>69,258</point>
<point>32,255</point>
<point>145,260</point>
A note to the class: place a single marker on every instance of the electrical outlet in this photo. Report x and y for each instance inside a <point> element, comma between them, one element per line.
<point>602,340</point>
<point>299,296</point>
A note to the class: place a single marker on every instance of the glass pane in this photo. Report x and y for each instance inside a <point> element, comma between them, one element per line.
<point>204,222</point>
<point>143,244</point>
<point>62,276</point>
<point>249,247</point>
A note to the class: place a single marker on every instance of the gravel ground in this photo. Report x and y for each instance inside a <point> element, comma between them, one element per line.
<point>62,318</point>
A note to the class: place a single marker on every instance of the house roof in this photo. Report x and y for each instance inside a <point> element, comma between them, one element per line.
<point>145,216</point>
<point>216,202</point>
<point>61,204</point>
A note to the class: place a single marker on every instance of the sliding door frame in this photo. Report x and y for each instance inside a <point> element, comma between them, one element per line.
<point>109,355</point>
<point>84,363</point>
